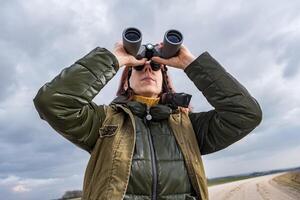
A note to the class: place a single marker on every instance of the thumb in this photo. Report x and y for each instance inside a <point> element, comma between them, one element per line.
<point>159,60</point>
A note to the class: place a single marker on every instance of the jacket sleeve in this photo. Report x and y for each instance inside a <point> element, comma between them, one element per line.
<point>236,112</point>
<point>66,102</point>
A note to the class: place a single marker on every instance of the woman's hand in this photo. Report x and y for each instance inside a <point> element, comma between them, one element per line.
<point>181,61</point>
<point>124,58</point>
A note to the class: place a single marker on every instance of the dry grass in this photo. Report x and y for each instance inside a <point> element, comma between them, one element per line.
<point>290,179</point>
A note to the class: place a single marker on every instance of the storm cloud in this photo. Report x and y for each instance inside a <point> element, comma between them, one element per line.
<point>257,42</point>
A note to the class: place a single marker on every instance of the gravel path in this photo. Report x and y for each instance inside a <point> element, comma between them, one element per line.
<point>260,188</point>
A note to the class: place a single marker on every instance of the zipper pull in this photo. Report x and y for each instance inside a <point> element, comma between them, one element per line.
<point>148,116</point>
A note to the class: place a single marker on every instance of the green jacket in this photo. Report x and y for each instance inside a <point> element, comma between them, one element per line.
<point>108,132</point>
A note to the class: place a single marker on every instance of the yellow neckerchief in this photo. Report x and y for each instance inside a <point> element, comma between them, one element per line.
<point>150,101</point>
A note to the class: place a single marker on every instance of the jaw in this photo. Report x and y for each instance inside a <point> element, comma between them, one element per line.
<point>147,91</point>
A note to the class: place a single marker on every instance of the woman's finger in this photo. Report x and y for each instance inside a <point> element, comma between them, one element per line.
<point>159,60</point>
<point>136,62</point>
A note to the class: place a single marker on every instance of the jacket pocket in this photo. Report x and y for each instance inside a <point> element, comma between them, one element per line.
<point>108,130</point>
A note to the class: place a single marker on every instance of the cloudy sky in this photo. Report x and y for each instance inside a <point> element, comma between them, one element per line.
<point>258,42</point>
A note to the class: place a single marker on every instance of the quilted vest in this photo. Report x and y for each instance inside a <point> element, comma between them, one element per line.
<point>158,170</point>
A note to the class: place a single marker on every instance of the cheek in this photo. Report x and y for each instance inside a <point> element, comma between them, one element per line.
<point>133,81</point>
<point>160,81</point>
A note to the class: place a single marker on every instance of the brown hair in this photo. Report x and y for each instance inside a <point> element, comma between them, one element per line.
<point>166,85</point>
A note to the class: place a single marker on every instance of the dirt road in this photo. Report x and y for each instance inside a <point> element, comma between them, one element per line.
<point>260,188</point>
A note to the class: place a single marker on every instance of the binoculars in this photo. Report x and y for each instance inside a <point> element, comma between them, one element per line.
<point>132,43</point>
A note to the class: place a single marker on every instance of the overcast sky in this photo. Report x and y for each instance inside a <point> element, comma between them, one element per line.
<point>257,42</point>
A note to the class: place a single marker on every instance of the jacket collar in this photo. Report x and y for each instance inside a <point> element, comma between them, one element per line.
<point>157,112</point>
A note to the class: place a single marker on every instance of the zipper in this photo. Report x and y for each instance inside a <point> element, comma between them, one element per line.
<point>153,157</point>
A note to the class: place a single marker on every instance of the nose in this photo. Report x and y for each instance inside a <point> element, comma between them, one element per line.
<point>147,67</point>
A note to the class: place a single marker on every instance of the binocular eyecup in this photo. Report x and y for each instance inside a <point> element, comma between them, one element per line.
<point>132,42</point>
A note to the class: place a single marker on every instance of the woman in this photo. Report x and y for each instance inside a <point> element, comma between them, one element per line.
<point>140,147</point>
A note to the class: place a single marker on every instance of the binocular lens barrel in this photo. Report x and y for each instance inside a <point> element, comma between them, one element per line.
<point>171,44</point>
<point>133,35</point>
<point>132,39</point>
<point>174,36</point>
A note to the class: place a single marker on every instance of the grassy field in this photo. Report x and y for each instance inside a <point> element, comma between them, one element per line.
<point>290,179</point>
<point>227,180</point>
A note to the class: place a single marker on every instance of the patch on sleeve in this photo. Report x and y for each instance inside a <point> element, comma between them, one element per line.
<point>108,130</point>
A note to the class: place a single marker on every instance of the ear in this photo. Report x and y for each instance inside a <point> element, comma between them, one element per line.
<point>125,86</point>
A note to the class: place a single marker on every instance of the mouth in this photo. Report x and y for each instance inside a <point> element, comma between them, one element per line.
<point>148,79</point>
